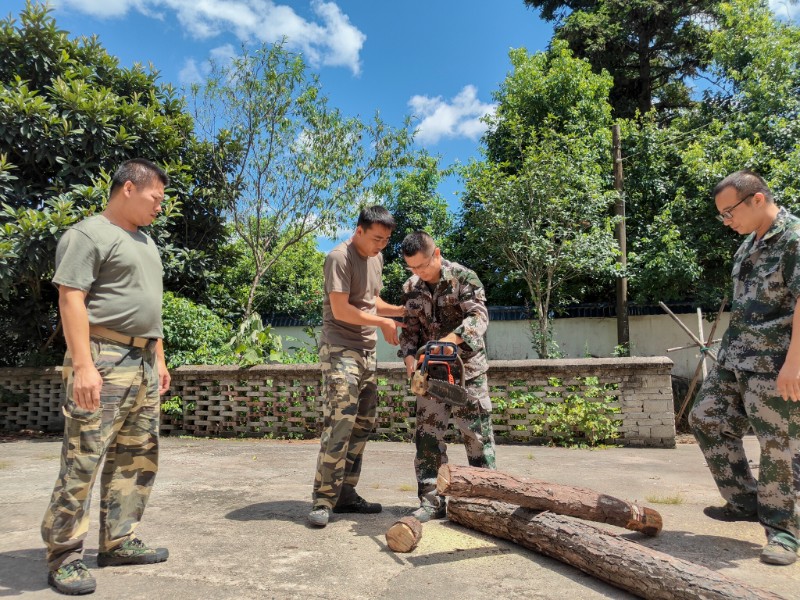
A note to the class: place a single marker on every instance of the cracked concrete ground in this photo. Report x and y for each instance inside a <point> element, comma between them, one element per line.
<point>232,513</point>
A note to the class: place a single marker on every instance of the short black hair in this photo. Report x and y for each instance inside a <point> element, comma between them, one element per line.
<point>376,215</point>
<point>416,242</point>
<point>140,172</point>
<point>746,182</point>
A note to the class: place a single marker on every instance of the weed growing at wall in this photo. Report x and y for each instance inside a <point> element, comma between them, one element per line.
<point>581,414</point>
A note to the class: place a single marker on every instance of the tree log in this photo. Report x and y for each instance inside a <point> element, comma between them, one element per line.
<point>635,568</point>
<point>473,482</point>
<point>404,534</point>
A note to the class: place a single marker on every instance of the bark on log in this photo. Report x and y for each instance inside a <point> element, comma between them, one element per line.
<point>473,482</point>
<point>404,534</point>
<point>635,568</point>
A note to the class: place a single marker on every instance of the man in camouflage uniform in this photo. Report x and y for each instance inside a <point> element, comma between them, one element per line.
<point>445,301</point>
<point>108,275</point>
<point>756,381</point>
<point>352,310</point>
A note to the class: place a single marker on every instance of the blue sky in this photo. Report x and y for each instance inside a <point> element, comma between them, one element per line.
<point>436,60</point>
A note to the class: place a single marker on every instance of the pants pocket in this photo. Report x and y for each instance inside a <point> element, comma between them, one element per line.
<point>89,430</point>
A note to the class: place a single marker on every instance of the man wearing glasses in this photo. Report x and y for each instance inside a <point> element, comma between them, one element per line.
<point>352,311</point>
<point>445,301</point>
<point>756,381</point>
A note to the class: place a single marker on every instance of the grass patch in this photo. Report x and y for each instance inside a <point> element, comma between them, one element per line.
<point>675,499</point>
<point>407,487</point>
<point>4,464</point>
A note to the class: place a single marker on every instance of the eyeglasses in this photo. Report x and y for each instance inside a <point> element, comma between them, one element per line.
<point>728,212</point>
<point>411,269</point>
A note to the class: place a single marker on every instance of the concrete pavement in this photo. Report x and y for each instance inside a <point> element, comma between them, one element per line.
<point>232,513</point>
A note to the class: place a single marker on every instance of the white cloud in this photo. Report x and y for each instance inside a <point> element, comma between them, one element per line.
<point>460,117</point>
<point>328,40</point>
<point>784,9</point>
<point>191,73</point>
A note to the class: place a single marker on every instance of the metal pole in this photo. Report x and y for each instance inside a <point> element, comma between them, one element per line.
<point>623,329</point>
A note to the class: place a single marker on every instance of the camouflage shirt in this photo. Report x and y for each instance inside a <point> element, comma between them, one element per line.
<point>457,305</point>
<point>766,285</point>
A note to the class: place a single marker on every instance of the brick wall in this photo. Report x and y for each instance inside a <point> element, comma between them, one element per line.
<point>283,401</point>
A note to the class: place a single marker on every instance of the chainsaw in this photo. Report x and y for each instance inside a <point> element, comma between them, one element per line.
<point>434,375</point>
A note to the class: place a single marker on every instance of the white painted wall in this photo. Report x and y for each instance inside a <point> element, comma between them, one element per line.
<point>581,337</point>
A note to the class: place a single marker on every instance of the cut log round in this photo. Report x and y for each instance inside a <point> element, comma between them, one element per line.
<point>474,482</point>
<point>404,534</point>
<point>621,562</point>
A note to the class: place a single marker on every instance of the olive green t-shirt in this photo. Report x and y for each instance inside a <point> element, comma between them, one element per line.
<point>120,271</point>
<point>348,272</point>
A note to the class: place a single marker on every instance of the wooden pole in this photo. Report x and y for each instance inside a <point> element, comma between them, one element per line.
<point>702,337</point>
<point>648,573</point>
<point>623,329</point>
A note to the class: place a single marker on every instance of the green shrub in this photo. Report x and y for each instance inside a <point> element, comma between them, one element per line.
<point>194,334</point>
<point>569,417</point>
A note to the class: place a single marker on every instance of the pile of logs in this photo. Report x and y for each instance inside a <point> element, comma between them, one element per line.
<point>551,519</point>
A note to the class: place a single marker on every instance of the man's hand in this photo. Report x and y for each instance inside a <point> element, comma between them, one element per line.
<point>411,364</point>
<point>389,330</point>
<point>164,379</point>
<point>788,382</point>
<point>86,385</point>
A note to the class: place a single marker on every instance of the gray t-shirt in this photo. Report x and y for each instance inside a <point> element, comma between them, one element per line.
<point>120,271</point>
<point>348,272</point>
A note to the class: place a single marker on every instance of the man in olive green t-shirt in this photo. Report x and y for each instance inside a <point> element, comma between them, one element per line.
<point>352,310</point>
<point>108,274</point>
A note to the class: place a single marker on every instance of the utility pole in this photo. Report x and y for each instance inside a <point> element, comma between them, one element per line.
<point>623,330</point>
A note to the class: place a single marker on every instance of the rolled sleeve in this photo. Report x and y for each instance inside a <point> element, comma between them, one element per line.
<point>476,316</point>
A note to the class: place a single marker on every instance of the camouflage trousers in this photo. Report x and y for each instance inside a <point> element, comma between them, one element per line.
<point>350,382</point>
<point>473,420</point>
<point>124,432</point>
<point>728,404</point>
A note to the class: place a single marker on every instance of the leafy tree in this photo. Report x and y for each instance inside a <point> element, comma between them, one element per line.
<point>678,251</point>
<point>416,205</point>
<point>292,167</point>
<point>549,219</point>
<point>650,47</point>
<point>293,286</point>
<point>546,91</point>
<point>68,116</point>
<point>544,206</point>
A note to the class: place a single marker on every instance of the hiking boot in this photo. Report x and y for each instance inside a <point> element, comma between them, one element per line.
<point>319,516</point>
<point>133,551</point>
<point>72,579</point>
<point>425,513</point>
<point>778,553</point>
<point>357,505</point>
<point>729,513</point>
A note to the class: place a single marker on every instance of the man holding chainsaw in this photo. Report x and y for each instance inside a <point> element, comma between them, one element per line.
<point>445,315</point>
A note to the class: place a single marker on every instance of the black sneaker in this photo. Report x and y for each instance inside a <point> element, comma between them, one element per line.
<point>132,552</point>
<point>729,513</point>
<point>357,505</point>
<point>72,579</point>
